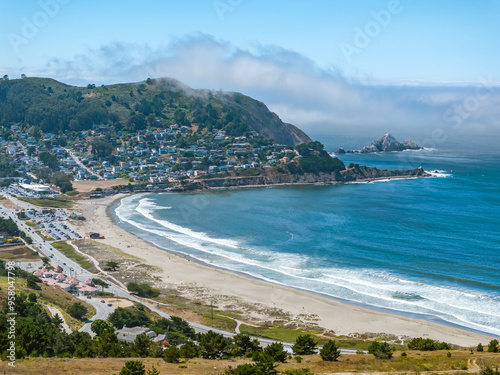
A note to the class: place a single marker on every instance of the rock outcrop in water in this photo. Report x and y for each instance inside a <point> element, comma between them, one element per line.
<point>387,143</point>
<point>269,177</point>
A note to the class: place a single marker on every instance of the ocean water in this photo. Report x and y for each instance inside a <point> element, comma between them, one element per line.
<point>427,247</point>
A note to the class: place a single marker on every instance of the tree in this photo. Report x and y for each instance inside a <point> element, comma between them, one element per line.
<point>265,365</point>
<point>81,344</point>
<point>493,346</point>
<point>66,186</point>
<point>111,266</point>
<point>212,345</point>
<point>101,147</point>
<point>142,345</point>
<point>133,368</point>
<point>101,283</point>
<point>480,348</point>
<point>304,345</point>
<point>43,174</point>
<point>171,355</point>
<point>380,350</point>
<point>189,350</point>
<point>50,160</point>
<point>63,181</point>
<point>5,77</point>
<point>99,325</point>
<point>330,351</point>
<point>245,346</point>
<point>77,310</point>
<point>143,290</point>
<point>107,344</point>
<point>130,318</point>
<point>276,351</point>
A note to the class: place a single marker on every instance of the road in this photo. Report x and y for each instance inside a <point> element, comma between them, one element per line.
<point>72,268</point>
<point>80,164</point>
<point>102,312</point>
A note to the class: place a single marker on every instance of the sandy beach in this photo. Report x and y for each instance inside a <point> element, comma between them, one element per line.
<point>192,277</point>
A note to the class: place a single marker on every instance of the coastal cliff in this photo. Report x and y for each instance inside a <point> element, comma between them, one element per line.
<point>269,177</point>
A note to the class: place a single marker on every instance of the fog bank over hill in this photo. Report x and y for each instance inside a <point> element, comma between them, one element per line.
<point>317,100</point>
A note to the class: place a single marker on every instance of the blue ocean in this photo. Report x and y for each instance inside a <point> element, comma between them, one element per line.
<point>427,247</point>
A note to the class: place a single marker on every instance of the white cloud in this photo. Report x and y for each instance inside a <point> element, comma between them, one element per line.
<point>293,86</point>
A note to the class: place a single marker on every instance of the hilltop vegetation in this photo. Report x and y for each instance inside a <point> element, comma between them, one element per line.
<point>52,106</point>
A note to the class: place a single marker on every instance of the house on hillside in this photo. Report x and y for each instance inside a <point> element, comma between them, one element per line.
<point>130,334</point>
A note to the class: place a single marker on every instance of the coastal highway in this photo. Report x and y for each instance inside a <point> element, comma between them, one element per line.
<point>72,268</point>
<point>102,312</point>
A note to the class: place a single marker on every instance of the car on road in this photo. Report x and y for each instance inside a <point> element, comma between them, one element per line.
<point>89,297</point>
<point>103,301</point>
<point>110,304</point>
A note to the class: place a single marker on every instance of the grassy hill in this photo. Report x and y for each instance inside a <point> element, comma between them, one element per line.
<point>58,108</point>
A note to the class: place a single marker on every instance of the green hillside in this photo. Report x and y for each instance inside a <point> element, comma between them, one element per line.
<point>57,108</point>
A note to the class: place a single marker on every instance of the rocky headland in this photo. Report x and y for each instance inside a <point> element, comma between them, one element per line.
<point>387,143</point>
<point>271,177</point>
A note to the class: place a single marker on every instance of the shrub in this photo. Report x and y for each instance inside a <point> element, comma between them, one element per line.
<point>133,368</point>
<point>143,290</point>
<point>330,351</point>
<point>300,371</point>
<point>427,344</point>
<point>171,355</point>
<point>493,346</point>
<point>189,350</point>
<point>380,350</point>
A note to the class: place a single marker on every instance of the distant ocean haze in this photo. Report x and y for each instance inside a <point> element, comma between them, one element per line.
<point>427,247</point>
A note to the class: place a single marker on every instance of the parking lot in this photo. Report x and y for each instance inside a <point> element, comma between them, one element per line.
<point>53,223</point>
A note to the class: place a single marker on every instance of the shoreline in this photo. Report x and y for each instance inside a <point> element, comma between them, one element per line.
<point>341,317</point>
<point>292,184</point>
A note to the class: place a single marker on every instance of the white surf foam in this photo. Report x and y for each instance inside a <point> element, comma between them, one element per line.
<point>370,287</point>
<point>147,206</point>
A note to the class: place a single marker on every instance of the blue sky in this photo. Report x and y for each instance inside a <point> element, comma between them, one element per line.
<point>308,61</point>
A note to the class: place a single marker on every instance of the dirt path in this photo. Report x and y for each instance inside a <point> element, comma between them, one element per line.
<point>55,311</point>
